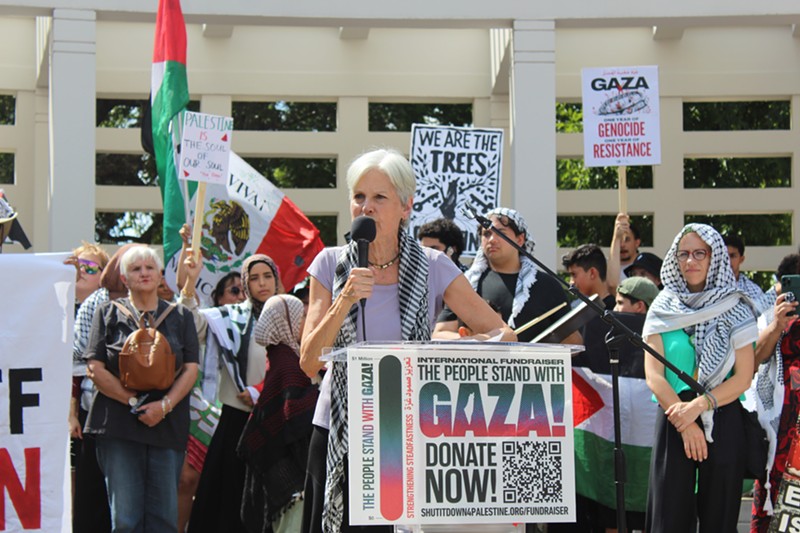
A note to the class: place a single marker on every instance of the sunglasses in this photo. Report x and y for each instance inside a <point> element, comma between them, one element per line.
<point>90,267</point>
<point>234,289</point>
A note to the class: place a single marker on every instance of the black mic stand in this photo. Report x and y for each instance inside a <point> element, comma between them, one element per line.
<point>617,334</point>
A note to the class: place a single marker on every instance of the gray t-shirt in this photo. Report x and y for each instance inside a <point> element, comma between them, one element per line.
<point>382,308</point>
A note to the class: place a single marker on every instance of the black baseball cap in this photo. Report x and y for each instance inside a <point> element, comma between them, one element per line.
<point>647,261</point>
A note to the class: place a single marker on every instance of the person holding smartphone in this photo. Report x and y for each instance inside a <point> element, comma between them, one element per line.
<point>777,395</point>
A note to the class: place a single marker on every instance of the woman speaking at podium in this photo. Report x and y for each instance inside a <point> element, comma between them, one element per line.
<point>706,328</point>
<point>404,287</point>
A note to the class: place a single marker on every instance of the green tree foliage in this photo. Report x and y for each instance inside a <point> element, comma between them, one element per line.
<point>326,224</point>
<point>125,169</point>
<point>6,169</point>
<point>400,117</point>
<point>755,230</point>
<point>119,113</point>
<point>284,116</point>
<point>739,172</point>
<point>122,228</point>
<point>296,173</point>
<point>571,175</point>
<point>8,110</point>
<point>569,117</point>
<point>598,229</point>
<point>737,116</point>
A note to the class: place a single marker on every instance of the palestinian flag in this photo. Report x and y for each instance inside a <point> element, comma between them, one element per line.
<point>247,215</point>
<point>169,93</point>
<point>594,436</point>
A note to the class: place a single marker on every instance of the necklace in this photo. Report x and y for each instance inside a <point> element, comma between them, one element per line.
<point>386,265</point>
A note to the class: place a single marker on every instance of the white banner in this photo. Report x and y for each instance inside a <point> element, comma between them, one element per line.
<point>444,434</point>
<point>36,320</point>
<point>621,121</point>
<point>454,167</point>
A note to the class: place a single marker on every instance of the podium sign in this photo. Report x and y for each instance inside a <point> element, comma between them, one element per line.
<point>460,433</point>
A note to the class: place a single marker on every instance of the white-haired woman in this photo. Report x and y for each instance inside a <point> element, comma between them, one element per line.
<point>705,327</point>
<point>405,286</point>
<point>141,452</point>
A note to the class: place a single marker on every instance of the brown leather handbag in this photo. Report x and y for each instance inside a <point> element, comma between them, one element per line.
<point>146,361</point>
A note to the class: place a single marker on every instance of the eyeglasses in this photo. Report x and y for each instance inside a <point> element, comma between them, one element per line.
<point>697,255</point>
<point>234,289</point>
<point>90,267</point>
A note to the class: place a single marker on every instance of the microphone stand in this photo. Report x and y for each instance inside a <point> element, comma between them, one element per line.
<point>617,334</point>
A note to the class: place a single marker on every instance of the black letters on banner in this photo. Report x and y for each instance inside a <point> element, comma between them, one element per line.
<point>17,399</point>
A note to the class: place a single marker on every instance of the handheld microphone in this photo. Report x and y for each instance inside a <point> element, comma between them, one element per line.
<point>363,232</point>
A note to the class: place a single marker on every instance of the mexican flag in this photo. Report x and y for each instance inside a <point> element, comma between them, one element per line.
<point>248,214</point>
<point>594,436</point>
<point>169,94</point>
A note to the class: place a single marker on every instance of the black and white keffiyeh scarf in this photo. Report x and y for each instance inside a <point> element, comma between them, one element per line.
<point>769,406</point>
<point>527,270</point>
<point>415,326</point>
<point>227,347</point>
<point>722,318</point>
<point>760,300</point>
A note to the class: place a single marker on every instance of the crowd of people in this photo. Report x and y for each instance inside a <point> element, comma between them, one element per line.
<point>248,432</point>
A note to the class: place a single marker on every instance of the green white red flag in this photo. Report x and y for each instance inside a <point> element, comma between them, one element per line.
<point>169,93</point>
<point>248,214</point>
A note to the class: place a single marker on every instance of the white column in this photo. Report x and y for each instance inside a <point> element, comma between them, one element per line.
<point>72,128</point>
<point>533,131</point>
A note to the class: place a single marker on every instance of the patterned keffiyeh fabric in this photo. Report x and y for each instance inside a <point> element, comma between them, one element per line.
<point>280,322</point>
<point>415,326</point>
<point>527,271</point>
<point>230,327</point>
<point>759,298</point>
<point>720,318</point>
<point>769,402</point>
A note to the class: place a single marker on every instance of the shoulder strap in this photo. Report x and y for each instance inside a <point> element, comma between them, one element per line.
<point>163,315</point>
<point>127,313</point>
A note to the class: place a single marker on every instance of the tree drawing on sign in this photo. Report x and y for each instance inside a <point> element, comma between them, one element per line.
<point>449,193</point>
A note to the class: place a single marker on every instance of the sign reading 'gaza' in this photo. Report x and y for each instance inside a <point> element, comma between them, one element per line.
<point>621,124</point>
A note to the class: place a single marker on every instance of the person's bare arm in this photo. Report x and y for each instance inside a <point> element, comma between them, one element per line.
<point>154,412</point>
<point>326,316</point>
<point>613,266</point>
<point>462,299</point>
<point>769,336</point>
<point>694,441</point>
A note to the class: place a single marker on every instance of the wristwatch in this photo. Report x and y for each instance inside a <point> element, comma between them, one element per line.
<point>133,401</point>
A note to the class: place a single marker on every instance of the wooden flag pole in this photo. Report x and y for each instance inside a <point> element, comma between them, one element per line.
<point>622,175</point>
<point>539,318</point>
<point>197,225</point>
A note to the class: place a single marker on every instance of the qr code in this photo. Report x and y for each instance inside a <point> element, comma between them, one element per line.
<point>532,472</point>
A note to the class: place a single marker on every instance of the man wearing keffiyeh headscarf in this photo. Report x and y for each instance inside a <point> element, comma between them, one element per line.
<point>706,327</point>
<point>509,280</point>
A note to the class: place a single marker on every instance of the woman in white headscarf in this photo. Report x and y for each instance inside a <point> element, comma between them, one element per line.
<point>705,327</point>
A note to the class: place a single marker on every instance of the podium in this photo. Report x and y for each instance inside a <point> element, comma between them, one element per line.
<point>459,433</point>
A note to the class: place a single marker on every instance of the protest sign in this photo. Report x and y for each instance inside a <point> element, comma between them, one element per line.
<point>205,147</point>
<point>474,433</point>
<point>621,123</point>
<point>35,370</point>
<point>454,167</point>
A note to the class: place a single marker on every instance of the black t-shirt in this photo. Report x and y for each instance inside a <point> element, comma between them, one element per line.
<point>499,289</point>
<point>110,418</point>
